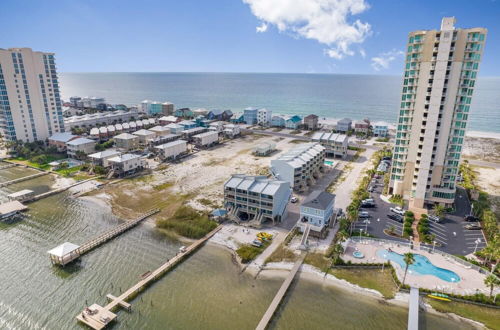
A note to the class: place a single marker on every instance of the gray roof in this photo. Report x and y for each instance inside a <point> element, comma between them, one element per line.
<point>104,154</point>
<point>79,141</point>
<point>318,200</point>
<point>126,136</point>
<point>62,137</point>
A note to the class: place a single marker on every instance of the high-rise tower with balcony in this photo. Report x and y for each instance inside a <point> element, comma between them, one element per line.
<point>440,73</point>
<point>30,104</point>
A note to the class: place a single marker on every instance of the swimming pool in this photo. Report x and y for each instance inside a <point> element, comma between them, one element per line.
<point>421,266</point>
<point>329,162</point>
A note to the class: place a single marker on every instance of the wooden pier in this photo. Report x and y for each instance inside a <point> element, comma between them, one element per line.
<point>56,191</point>
<point>77,251</point>
<point>98,317</point>
<point>264,322</point>
<point>24,178</point>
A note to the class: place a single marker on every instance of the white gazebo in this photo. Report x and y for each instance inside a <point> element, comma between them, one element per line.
<point>64,253</point>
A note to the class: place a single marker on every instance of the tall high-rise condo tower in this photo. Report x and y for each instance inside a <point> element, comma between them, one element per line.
<point>30,105</point>
<point>440,73</point>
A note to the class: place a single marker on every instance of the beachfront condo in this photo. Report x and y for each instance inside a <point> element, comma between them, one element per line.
<point>300,166</point>
<point>30,104</point>
<point>440,73</point>
<point>336,144</point>
<point>256,198</point>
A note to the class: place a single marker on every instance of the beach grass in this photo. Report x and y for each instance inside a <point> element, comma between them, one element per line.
<point>248,252</point>
<point>488,316</point>
<point>281,253</point>
<point>187,222</point>
<point>318,260</point>
<point>369,278</point>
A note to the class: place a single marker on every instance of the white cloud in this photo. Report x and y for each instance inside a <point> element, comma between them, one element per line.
<point>261,28</point>
<point>325,21</point>
<point>383,60</point>
<point>362,53</point>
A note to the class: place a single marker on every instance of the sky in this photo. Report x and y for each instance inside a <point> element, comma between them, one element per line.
<point>303,36</point>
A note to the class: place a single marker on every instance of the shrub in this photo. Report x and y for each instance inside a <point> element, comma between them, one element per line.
<point>248,252</point>
<point>188,222</point>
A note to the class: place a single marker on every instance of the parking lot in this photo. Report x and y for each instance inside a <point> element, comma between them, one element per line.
<point>450,234</point>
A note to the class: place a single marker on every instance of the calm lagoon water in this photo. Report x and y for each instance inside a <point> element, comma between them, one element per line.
<point>207,291</point>
<point>327,95</point>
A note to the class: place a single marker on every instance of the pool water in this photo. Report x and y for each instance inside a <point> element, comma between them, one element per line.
<point>421,266</point>
<point>329,162</point>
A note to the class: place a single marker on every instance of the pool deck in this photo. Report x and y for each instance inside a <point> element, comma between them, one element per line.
<point>470,279</point>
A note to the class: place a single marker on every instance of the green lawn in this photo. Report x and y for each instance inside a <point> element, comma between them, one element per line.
<point>369,278</point>
<point>488,316</point>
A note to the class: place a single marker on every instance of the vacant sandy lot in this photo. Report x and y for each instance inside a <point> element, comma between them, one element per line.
<point>479,148</point>
<point>197,180</point>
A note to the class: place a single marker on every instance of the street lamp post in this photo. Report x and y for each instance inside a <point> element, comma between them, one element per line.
<point>433,245</point>
<point>409,245</point>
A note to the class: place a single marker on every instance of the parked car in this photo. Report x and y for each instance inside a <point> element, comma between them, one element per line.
<point>294,199</point>
<point>396,217</point>
<point>371,188</point>
<point>471,218</point>
<point>397,210</point>
<point>386,158</point>
<point>434,218</point>
<point>473,226</point>
<point>368,204</point>
<point>368,200</point>
<point>364,215</point>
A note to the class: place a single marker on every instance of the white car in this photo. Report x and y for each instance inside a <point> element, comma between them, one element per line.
<point>294,199</point>
<point>398,210</point>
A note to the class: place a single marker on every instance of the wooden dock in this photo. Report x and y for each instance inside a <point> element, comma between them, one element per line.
<point>104,237</point>
<point>56,191</point>
<point>268,315</point>
<point>65,257</point>
<point>98,317</point>
<point>24,178</point>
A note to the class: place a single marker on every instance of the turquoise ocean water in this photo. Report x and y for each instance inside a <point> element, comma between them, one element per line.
<point>327,95</point>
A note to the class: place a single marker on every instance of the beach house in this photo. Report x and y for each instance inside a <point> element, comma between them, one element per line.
<point>187,124</point>
<point>144,135</point>
<point>317,212</point>
<point>362,126</point>
<point>217,126</point>
<point>293,122</point>
<point>344,125</point>
<point>231,131</point>
<point>171,150</point>
<point>101,158</point>
<point>185,113</point>
<point>217,114</point>
<point>250,115</point>
<point>256,199</point>
<point>160,130</point>
<point>189,133</point>
<point>165,120</point>
<point>380,129</point>
<point>237,118</point>
<point>278,121</point>
<point>264,116</point>
<point>126,142</point>
<point>311,122</point>
<point>175,128</point>
<point>300,166</point>
<point>59,140</point>
<point>80,147</point>
<point>126,164</point>
<point>205,140</point>
<point>336,144</point>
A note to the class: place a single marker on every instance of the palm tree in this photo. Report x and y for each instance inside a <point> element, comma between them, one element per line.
<point>439,210</point>
<point>409,259</point>
<point>492,281</point>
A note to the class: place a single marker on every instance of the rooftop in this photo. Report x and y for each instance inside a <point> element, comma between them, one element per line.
<point>10,207</point>
<point>125,136</point>
<point>63,249</point>
<point>62,137</point>
<point>104,154</point>
<point>319,200</point>
<point>80,141</point>
<point>123,158</point>
<point>255,183</point>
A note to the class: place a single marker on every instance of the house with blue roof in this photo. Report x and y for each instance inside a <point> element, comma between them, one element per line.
<point>293,122</point>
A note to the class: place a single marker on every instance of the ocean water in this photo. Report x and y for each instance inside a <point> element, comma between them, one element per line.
<point>327,95</point>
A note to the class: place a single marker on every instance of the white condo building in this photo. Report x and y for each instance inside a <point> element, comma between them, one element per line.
<point>30,104</point>
<point>440,73</point>
<point>300,166</point>
<point>264,116</point>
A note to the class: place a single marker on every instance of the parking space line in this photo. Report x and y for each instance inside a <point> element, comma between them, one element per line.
<point>436,224</point>
<point>439,234</point>
<point>473,234</point>
<point>473,237</point>
<point>439,229</point>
